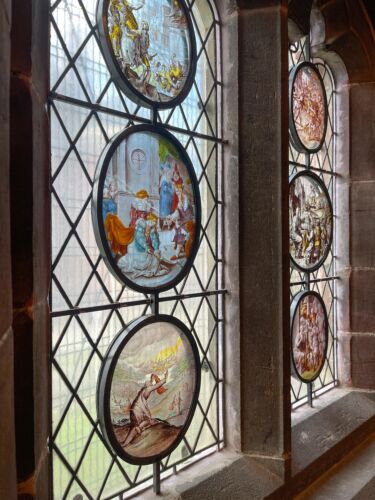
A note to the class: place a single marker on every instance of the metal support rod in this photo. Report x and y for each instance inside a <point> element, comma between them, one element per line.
<point>156,466</point>
<point>307,281</point>
<point>155,303</point>
<point>310,394</point>
<point>316,169</point>
<point>308,49</point>
<point>119,305</point>
<point>156,478</point>
<point>128,116</point>
<point>154,116</point>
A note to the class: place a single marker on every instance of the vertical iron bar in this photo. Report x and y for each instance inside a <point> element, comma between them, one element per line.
<point>154,116</point>
<point>155,303</point>
<point>308,48</point>
<point>310,394</point>
<point>156,466</point>
<point>156,478</point>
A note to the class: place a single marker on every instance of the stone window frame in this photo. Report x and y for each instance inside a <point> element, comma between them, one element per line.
<point>262,415</point>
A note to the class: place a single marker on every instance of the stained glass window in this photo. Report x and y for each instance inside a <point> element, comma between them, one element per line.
<point>311,218</point>
<point>89,306</point>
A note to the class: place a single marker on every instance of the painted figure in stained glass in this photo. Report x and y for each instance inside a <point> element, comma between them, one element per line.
<point>309,112</point>
<point>150,41</point>
<point>148,210</point>
<point>310,222</point>
<point>152,390</point>
<point>309,337</point>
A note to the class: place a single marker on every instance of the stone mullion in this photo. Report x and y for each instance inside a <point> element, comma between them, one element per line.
<point>30,240</point>
<point>8,481</point>
<point>264,263</point>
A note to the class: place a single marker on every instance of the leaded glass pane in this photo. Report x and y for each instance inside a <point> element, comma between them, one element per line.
<point>88,304</point>
<point>319,279</point>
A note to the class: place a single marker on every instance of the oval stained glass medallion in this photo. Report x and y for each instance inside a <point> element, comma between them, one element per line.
<point>146,209</point>
<point>310,221</point>
<point>308,113</point>
<point>149,47</point>
<point>148,388</point>
<point>309,335</point>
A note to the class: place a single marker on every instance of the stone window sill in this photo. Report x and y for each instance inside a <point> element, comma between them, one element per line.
<point>321,436</point>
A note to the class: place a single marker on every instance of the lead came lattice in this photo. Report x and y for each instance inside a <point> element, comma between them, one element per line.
<point>88,305</point>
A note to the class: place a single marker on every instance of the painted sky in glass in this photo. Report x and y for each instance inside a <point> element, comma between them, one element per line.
<point>152,390</point>
<point>150,40</point>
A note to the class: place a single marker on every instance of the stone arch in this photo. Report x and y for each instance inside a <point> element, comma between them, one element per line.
<point>348,32</point>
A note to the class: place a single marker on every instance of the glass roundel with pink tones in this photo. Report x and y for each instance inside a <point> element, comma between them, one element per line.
<point>308,112</point>
<point>309,335</point>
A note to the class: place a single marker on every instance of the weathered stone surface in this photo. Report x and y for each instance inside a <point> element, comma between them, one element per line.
<point>351,478</point>
<point>24,401</point>
<point>363,223</point>
<point>363,238</point>
<point>21,37</point>
<point>231,223</point>
<point>263,246</point>
<point>367,491</point>
<point>5,265</point>
<point>320,441</point>
<point>299,12</point>
<point>349,34</point>
<point>337,19</point>
<point>363,361</point>
<point>362,195</point>
<point>41,243</point>
<point>362,307</point>
<point>318,434</point>
<point>344,355</point>
<point>8,480</point>
<point>362,110</point>
<point>225,475</point>
<point>242,480</point>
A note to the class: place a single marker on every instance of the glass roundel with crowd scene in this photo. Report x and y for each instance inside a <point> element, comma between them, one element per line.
<point>152,393</point>
<point>308,108</point>
<point>151,46</point>
<point>310,221</point>
<point>309,335</point>
<point>146,209</point>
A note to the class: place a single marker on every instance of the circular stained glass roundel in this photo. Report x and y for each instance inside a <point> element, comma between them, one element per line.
<point>308,108</point>
<point>149,47</point>
<point>309,335</point>
<point>148,389</point>
<point>146,209</point>
<point>310,221</point>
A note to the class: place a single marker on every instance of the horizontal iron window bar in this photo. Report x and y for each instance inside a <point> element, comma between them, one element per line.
<point>300,401</point>
<point>316,169</point>
<point>320,280</point>
<point>119,305</point>
<point>54,96</point>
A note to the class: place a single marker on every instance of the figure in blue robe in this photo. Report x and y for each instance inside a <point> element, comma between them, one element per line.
<point>167,193</point>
